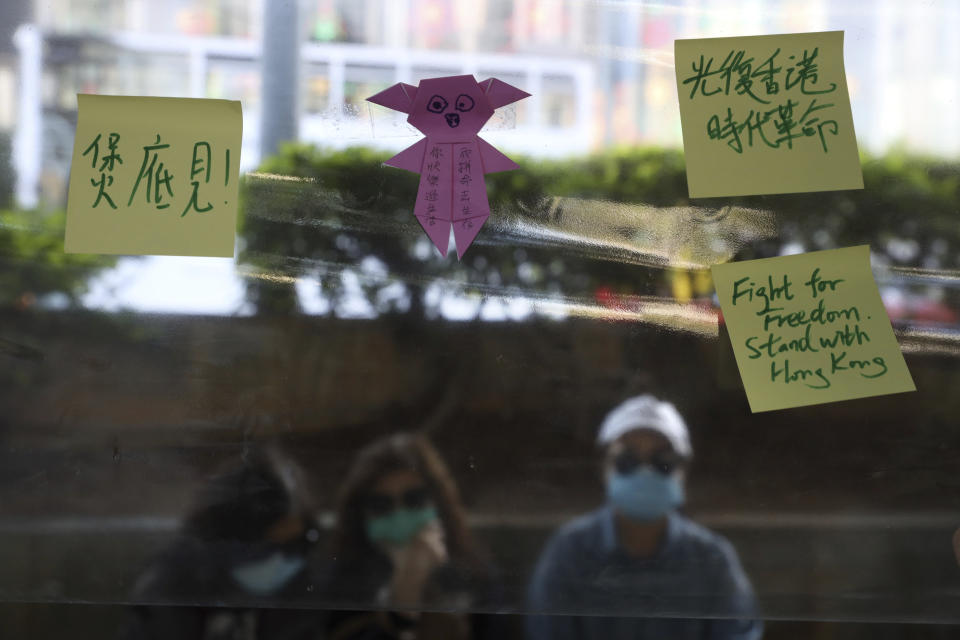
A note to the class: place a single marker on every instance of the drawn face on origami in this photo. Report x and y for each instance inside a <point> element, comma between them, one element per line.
<point>450,109</point>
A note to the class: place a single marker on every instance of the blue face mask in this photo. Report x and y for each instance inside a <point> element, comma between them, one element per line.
<point>399,526</point>
<point>644,494</point>
<point>263,577</point>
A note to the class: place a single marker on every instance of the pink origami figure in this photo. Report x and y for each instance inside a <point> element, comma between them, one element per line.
<point>452,159</point>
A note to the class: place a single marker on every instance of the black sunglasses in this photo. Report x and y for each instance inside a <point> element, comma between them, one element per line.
<point>384,503</point>
<point>664,462</point>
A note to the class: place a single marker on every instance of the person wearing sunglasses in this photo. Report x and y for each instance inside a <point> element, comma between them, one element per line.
<point>401,545</point>
<point>636,568</point>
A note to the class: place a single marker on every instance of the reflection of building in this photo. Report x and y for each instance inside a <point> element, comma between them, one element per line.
<point>352,50</point>
<point>600,73</point>
<point>12,13</point>
<point>236,18</point>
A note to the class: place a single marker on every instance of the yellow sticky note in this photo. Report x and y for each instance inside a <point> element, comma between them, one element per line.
<point>810,328</point>
<point>766,114</point>
<point>154,176</point>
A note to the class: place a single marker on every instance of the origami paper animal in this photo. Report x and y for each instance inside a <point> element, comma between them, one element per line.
<point>452,159</point>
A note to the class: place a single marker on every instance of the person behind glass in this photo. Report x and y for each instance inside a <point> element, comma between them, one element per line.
<point>636,560</point>
<point>241,554</point>
<point>401,544</point>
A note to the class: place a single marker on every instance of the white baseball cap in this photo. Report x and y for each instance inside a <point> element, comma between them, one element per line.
<point>647,412</point>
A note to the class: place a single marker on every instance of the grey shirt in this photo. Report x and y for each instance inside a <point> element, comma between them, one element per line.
<point>691,587</point>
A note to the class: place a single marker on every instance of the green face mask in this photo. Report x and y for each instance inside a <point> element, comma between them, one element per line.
<point>400,526</point>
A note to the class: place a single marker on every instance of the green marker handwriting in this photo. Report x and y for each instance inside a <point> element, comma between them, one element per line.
<point>788,326</point>
<point>154,182</point>
<point>106,168</point>
<point>785,88</point>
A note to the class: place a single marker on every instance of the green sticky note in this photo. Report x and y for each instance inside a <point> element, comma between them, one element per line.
<point>154,176</point>
<point>810,328</point>
<point>766,114</point>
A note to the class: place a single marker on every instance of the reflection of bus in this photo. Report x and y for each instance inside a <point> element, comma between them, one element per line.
<point>335,79</point>
<point>910,309</point>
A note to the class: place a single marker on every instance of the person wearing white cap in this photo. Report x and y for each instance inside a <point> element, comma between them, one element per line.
<point>635,568</point>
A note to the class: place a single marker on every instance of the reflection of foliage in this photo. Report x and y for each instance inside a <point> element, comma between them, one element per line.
<point>34,264</point>
<point>906,200</point>
<point>6,172</point>
<point>343,216</point>
<point>34,270</point>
